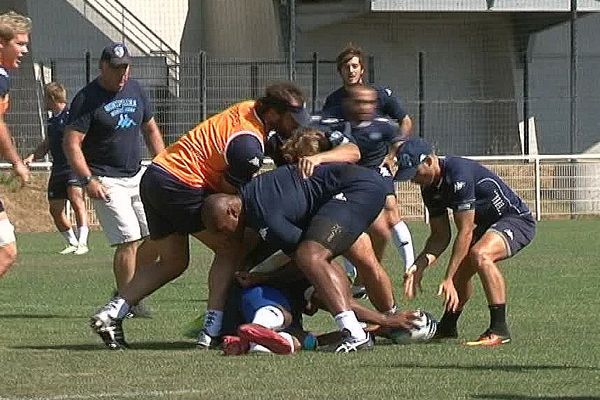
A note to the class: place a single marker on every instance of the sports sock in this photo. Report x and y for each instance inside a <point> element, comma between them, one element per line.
<point>498,318</point>
<point>347,320</point>
<point>70,237</point>
<point>83,234</point>
<point>403,242</point>
<point>212,322</point>
<point>258,348</point>
<point>449,321</point>
<point>270,317</point>
<point>118,308</point>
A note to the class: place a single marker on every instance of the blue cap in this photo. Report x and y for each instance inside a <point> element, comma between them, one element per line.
<point>116,54</point>
<point>409,156</point>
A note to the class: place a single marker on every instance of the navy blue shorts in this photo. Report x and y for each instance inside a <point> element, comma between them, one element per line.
<point>57,185</point>
<point>171,206</point>
<point>342,219</point>
<point>517,232</point>
<point>388,180</point>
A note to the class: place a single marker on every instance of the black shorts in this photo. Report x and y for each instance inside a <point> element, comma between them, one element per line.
<point>57,185</point>
<point>171,206</point>
<point>342,219</point>
<point>516,230</point>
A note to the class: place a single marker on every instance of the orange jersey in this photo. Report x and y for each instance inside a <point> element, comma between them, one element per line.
<point>198,158</point>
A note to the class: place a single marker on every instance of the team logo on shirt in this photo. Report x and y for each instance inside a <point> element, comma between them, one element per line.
<point>125,122</point>
<point>119,51</point>
<point>509,233</point>
<point>263,233</point>
<point>340,196</point>
<point>255,162</point>
<point>458,186</point>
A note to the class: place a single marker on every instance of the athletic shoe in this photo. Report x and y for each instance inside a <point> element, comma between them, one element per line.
<point>265,337</point>
<point>359,292</point>
<point>350,344</point>
<point>68,250</point>
<point>205,341</point>
<point>234,346</point>
<point>489,338</point>
<point>81,249</point>
<point>109,329</point>
<point>139,311</point>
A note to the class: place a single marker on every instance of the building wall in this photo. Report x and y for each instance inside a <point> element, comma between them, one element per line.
<point>467,65</point>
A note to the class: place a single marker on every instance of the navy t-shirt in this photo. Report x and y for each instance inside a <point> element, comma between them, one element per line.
<point>111,122</point>
<point>4,82</point>
<point>468,185</point>
<point>56,131</point>
<point>388,105</point>
<point>297,199</point>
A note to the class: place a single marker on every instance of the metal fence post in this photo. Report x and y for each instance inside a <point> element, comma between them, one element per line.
<point>538,189</point>
<point>421,89</point>
<point>315,81</point>
<point>526,149</point>
<point>88,67</point>
<point>254,80</point>
<point>203,96</point>
<point>371,66</point>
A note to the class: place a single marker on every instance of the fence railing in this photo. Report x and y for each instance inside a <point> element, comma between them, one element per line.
<point>553,186</point>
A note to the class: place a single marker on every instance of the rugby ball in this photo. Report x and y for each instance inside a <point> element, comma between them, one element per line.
<point>426,328</point>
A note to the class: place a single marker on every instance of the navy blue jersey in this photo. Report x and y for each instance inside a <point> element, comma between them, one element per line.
<point>297,200</point>
<point>373,138</point>
<point>336,135</point>
<point>467,185</point>
<point>111,122</point>
<point>56,131</point>
<point>388,105</point>
<point>4,82</point>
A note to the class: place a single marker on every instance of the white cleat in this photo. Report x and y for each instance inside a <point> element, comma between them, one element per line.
<point>81,249</point>
<point>68,250</point>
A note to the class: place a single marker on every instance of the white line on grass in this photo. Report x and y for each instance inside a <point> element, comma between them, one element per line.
<point>153,393</point>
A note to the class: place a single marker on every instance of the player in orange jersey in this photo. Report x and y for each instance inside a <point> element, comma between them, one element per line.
<point>218,155</point>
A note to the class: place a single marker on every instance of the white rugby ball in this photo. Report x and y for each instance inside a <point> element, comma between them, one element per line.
<point>426,328</point>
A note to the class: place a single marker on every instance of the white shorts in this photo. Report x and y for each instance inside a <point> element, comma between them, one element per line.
<point>7,232</point>
<point>122,218</point>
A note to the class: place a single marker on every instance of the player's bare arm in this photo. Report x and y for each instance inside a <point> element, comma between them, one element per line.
<point>72,144</point>
<point>153,137</point>
<point>465,223</point>
<point>8,149</point>
<point>347,152</point>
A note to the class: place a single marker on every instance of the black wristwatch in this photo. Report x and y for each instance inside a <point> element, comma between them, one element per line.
<point>87,179</point>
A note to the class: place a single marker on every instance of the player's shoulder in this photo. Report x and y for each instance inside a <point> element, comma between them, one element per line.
<point>457,168</point>
<point>383,91</point>
<point>4,82</point>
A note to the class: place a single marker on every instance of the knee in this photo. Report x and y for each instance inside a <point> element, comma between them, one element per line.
<point>479,258</point>
<point>308,257</point>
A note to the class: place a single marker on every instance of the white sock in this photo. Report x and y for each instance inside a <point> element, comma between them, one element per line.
<point>289,339</point>
<point>83,234</point>
<point>347,320</point>
<point>403,242</point>
<point>70,237</point>
<point>270,317</point>
<point>212,322</point>
<point>118,308</point>
<point>350,269</point>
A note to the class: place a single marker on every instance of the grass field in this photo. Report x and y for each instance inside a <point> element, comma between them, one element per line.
<point>47,350</point>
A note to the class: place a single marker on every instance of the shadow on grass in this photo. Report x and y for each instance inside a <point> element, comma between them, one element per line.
<point>502,368</point>
<point>507,396</point>
<point>39,316</point>
<point>97,346</point>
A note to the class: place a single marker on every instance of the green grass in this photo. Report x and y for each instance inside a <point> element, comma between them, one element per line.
<point>48,352</point>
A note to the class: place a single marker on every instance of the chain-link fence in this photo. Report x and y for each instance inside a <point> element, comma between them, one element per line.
<point>444,111</point>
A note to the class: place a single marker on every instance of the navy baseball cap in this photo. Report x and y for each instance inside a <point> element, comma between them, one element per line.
<point>300,115</point>
<point>409,156</point>
<point>116,54</point>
